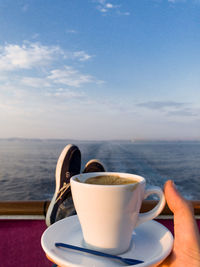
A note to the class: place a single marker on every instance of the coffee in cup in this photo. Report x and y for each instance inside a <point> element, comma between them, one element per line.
<point>109,180</point>
<point>108,209</point>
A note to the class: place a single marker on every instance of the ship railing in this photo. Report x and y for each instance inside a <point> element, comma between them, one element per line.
<point>38,209</point>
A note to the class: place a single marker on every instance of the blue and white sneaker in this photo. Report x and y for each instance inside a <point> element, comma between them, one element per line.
<point>68,164</point>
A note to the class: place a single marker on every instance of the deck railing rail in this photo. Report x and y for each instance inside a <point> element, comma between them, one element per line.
<point>40,207</point>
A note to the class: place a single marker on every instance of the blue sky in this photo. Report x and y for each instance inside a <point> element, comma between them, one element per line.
<point>98,69</point>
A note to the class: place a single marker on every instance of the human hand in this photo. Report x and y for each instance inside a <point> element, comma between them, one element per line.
<point>186,249</point>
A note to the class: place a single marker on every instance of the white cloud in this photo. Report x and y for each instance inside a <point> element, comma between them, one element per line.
<point>71,31</point>
<point>105,7</point>
<point>81,55</point>
<point>103,10</point>
<point>35,82</point>
<point>171,108</point>
<point>34,55</point>
<point>36,79</point>
<point>160,105</point>
<point>66,93</point>
<point>123,13</point>
<point>26,56</point>
<point>70,77</point>
<point>67,76</point>
<point>109,5</point>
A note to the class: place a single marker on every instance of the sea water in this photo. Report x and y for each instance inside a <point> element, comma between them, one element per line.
<point>27,167</point>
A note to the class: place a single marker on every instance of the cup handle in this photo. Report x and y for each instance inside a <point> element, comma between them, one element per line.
<point>149,215</point>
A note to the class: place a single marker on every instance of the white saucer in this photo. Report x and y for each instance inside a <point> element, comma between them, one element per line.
<point>152,243</point>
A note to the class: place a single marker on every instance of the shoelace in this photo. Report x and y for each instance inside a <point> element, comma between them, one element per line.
<point>62,190</point>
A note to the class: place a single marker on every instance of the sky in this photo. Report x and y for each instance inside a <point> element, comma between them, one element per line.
<point>100,70</point>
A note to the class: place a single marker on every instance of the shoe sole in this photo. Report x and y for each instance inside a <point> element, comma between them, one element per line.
<point>57,178</point>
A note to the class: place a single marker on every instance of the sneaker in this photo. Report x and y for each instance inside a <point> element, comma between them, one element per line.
<point>68,164</point>
<point>94,165</point>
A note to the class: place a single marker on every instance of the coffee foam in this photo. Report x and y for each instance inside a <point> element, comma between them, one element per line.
<point>109,180</point>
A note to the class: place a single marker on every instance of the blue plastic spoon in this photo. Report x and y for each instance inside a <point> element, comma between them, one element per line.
<point>98,253</point>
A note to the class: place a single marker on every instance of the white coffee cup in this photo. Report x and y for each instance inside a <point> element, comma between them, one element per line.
<point>108,214</point>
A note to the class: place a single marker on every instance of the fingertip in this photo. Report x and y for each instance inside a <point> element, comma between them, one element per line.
<point>169,185</point>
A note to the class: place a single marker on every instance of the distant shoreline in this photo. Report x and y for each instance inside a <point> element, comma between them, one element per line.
<point>94,140</point>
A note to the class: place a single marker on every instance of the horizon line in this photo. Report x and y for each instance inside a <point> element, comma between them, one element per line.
<point>101,140</point>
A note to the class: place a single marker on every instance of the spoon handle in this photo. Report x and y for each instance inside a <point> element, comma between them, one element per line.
<point>98,253</point>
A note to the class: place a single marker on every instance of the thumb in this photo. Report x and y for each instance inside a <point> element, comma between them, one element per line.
<point>175,201</point>
<point>185,227</point>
